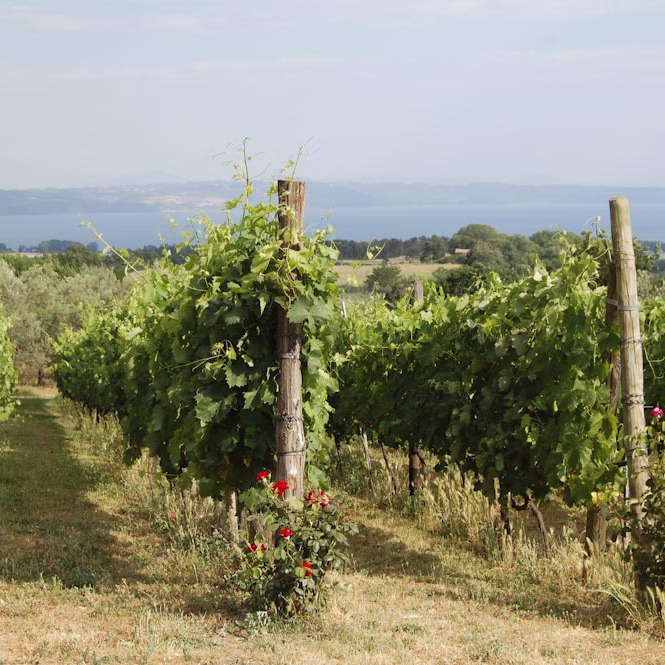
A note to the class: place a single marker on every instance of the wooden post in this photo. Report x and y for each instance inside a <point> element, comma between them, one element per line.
<point>416,465</point>
<point>368,461</point>
<point>289,428</point>
<point>389,468</point>
<point>231,515</point>
<point>632,370</point>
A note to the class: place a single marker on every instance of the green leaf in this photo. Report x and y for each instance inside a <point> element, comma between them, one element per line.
<point>206,408</point>
<point>236,375</point>
<point>299,311</point>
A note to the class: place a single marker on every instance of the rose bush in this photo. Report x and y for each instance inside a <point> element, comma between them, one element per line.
<point>294,547</point>
<point>648,553</point>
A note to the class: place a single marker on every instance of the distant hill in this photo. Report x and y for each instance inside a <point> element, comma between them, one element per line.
<point>191,196</point>
<point>138,215</point>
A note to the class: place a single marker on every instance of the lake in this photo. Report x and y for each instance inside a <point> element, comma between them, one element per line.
<point>146,228</point>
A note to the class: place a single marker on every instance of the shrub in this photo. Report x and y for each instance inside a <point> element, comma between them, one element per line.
<point>296,544</point>
<point>648,553</point>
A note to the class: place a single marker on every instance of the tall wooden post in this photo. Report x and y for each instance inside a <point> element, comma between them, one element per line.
<point>416,464</point>
<point>289,429</point>
<point>632,368</point>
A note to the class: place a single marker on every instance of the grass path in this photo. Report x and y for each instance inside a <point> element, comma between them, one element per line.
<point>86,578</point>
<point>52,527</point>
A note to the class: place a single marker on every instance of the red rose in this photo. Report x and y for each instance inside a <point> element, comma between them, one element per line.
<point>262,475</point>
<point>308,568</point>
<point>321,498</point>
<point>280,487</point>
<point>285,533</point>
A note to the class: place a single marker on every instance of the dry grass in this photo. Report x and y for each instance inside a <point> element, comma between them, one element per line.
<point>356,272</point>
<point>94,571</point>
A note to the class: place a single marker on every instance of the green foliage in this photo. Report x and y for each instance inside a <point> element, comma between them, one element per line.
<point>87,365</point>
<point>388,281</point>
<point>458,281</point>
<point>509,383</point>
<point>189,362</point>
<point>648,551</point>
<point>434,249</point>
<point>469,235</point>
<point>511,256</point>
<point>296,546</point>
<point>62,256</point>
<point>42,303</point>
<point>8,373</point>
<point>653,335</point>
<point>650,285</point>
<point>17,262</point>
<point>645,260</point>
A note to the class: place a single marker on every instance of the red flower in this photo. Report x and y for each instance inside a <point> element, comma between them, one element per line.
<point>262,475</point>
<point>285,533</point>
<point>308,568</point>
<point>656,412</point>
<point>321,498</point>
<point>280,487</point>
<point>263,547</point>
<point>252,548</point>
<point>171,516</point>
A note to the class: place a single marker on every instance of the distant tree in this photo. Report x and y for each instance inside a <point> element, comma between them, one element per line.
<point>462,280</point>
<point>434,249</point>
<point>548,247</point>
<point>412,248</point>
<point>645,259</point>
<point>74,258</point>
<point>469,235</point>
<point>41,302</point>
<point>489,254</point>
<point>387,281</point>
<point>55,246</point>
<point>650,284</point>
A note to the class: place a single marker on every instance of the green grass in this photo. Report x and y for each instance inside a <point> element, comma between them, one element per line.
<point>51,529</point>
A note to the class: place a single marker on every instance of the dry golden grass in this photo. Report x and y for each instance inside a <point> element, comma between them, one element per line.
<point>356,272</point>
<point>90,575</point>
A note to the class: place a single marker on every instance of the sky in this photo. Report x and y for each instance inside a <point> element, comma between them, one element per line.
<point>96,92</point>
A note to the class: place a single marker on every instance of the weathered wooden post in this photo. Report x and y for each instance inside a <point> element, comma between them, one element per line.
<point>632,368</point>
<point>416,462</point>
<point>289,429</point>
<point>231,515</point>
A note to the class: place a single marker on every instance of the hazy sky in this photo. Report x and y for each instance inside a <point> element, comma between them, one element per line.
<point>528,91</point>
